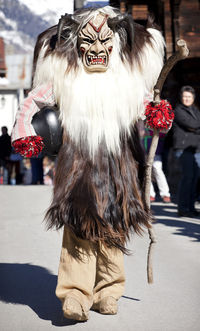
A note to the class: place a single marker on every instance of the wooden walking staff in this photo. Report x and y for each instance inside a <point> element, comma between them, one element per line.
<point>181,53</point>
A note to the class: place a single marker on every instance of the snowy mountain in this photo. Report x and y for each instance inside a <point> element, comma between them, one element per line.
<point>22,20</point>
<point>48,9</point>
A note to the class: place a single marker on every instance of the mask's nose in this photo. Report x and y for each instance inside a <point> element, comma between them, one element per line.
<point>97,48</point>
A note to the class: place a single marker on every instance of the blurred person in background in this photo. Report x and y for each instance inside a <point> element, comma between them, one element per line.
<point>186,142</point>
<point>48,166</point>
<point>27,173</point>
<point>37,170</point>
<point>15,168</point>
<point>157,167</point>
<point>5,150</point>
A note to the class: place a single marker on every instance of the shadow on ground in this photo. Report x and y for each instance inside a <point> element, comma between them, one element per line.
<point>184,227</point>
<point>33,286</point>
<point>130,298</point>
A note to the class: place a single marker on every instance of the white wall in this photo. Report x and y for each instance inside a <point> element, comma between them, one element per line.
<point>8,111</point>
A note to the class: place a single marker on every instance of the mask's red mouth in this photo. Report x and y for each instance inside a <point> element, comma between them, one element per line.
<point>94,60</point>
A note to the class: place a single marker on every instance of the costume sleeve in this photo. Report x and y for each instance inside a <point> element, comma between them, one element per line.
<point>185,120</point>
<point>22,126</point>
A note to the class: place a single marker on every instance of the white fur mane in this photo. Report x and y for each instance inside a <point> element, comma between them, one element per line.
<point>96,107</point>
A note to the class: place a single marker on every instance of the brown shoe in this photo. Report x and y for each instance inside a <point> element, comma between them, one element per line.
<point>166,199</point>
<point>72,309</point>
<point>107,306</point>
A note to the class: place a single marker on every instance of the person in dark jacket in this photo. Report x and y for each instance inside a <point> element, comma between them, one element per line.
<point>5,150</point>
<point>186,131</point>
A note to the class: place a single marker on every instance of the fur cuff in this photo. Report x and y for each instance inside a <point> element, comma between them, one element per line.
<point>29,146</point>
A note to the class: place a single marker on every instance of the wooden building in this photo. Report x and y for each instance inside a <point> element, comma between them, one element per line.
<point>2,59</point>
<point>178,19</point>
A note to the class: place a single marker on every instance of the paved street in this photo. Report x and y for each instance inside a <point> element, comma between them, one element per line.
<point>29,257</point>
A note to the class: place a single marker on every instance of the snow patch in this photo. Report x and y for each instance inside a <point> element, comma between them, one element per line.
<point>7,21</point>
<point>47,7</point>
<point>13,37</point>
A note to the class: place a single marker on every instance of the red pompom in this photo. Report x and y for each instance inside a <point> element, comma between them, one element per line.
<point>29,146</point>
<point>159,116</point>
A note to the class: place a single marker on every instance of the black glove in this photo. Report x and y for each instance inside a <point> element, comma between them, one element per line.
<point>197,131</point>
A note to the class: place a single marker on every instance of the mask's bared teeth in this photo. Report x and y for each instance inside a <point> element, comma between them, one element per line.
<point>95,60</point>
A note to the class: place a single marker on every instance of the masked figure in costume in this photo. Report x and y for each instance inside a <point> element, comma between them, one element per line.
<point>97,66</point>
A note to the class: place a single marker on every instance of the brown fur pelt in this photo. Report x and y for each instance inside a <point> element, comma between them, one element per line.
<point>100,200</point>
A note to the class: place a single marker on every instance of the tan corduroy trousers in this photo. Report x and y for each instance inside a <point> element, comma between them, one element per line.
<point>89,272</point>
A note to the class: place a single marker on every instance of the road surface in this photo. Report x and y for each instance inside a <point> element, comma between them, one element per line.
<point>29,257</point>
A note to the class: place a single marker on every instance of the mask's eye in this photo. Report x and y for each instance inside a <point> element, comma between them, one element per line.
<point>89,41</point>
<point>105,40</point>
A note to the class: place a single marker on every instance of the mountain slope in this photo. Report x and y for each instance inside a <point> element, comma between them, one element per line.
<point>22,20</point>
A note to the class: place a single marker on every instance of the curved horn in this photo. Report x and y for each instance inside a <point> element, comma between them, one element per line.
<point>65,18</point>
<point>114,21</point>
<point>126,22</point>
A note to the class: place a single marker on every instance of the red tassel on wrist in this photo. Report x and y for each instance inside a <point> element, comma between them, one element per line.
<point>159,116</point>
<point>29,146</point>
